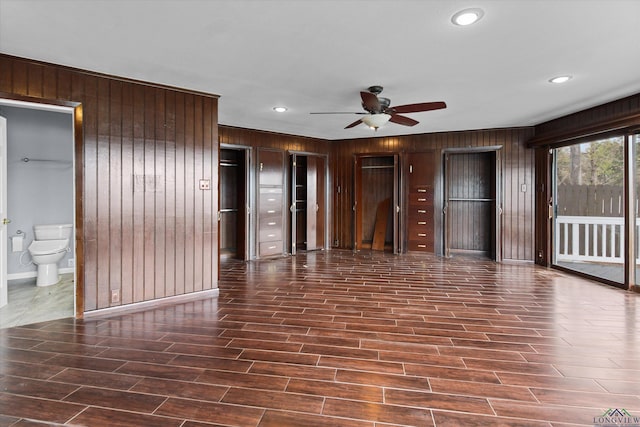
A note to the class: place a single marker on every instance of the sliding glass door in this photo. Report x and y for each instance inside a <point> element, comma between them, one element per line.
<point>589,208</point>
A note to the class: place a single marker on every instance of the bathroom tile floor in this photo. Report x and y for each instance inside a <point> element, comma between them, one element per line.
<point>339,339</point>
<point>30,304</point>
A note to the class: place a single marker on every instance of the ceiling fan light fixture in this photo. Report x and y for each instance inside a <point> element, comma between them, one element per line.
<point>280,109</point>
<point>467,17</point>
<point>374,121</point>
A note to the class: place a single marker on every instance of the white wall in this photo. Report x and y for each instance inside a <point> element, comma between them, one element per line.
<point>38,192</point>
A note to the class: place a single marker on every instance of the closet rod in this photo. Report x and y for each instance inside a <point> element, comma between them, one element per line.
<point>27,160</point>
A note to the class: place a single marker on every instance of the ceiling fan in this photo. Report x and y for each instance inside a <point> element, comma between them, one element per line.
<point>378,110</point>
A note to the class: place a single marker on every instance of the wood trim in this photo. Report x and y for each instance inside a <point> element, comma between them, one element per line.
<point>596,131</point>
<point>149,305</point>
<point>630,192</point>
<point>543,193</point>
<point>79,209</point>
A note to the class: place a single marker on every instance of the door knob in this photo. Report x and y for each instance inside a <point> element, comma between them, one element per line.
<point>6,221</point>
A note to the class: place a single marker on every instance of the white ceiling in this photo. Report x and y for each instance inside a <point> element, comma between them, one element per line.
<point>317,55</point>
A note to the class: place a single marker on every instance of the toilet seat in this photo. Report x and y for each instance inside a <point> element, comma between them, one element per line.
<point>48,247</point>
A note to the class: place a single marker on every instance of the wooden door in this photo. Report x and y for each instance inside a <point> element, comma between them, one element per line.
<point>420,194</point>
<point>271,202</point>
<point>315,215</point>
<point>471,203</point>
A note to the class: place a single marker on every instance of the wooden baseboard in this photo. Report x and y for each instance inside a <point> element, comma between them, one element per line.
<point>146,305</point>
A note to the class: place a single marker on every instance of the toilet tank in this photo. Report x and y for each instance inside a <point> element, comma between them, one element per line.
<point>52,231</point>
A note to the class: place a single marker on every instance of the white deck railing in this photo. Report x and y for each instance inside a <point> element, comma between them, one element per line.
<point>590,239</point>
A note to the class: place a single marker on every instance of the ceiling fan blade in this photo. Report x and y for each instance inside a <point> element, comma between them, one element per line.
<point>356,123</point>
<point>403,120</point>
<point>370,102</point>
<point>416,108</point>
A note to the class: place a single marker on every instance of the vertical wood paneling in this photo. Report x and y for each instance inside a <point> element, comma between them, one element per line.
<point>115,210</point>
<point>181,196</point>
<point>138,230</point>
<point>170,194</point>
<point>90,199</point>
<point>50,84</point>
<point>160,194</point>
<point>6,78</point>
<point>140,154</point>
<point>189,189</point>
<point>34,80</point>
<point>613,115</point>
<point>517,165</point>
<point>103,189</point>
<point>210,170</point>
<point>63,83</point>
<point>149,189</point>
<point>127,200</point>
<point>18,78</point>
<point>198,196</point>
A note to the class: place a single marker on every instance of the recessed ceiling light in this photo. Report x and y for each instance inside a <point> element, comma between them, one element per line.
<point>280,109</point>
<point>560,79</point>
<point>467,16</point>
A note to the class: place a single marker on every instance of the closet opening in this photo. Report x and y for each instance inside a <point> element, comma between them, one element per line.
<point>472,205</point>
<point>376,208</point>
<point>307,202</point>
<point>234,212</point>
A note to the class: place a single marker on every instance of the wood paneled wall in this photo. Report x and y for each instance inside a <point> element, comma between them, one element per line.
<point>143,226</point>
<point>615,115</point>
<point>255,138</point>
<point>517,167</point>
<point>273,141</point>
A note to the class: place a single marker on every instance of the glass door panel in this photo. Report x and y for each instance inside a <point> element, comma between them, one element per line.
<point>589,208</point>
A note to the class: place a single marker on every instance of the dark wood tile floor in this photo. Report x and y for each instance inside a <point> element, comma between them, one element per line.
<point>340,339</point>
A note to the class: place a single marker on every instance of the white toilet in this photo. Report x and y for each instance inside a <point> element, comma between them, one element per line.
<point>50,245</point>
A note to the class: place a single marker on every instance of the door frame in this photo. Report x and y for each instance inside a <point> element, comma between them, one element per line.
<point>497,188</point>
<point>291,235</point>
<point>249,215</point>
<point>4,291</point>
<point>75,109</point>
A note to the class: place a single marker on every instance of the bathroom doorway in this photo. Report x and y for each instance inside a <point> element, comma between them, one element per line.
<point>40,188</point>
